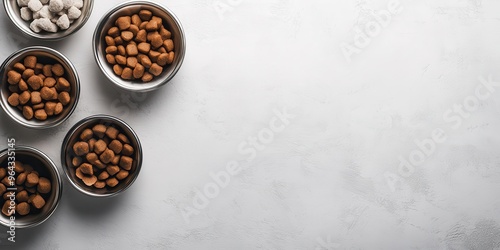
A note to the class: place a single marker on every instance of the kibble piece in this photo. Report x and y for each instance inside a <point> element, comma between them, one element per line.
<point>35,97</point>
<point>121,50</point>
<point>123,138</point>
<point>86,169</point>
<point>6,181</point>
<point>138,71</point>
<point>30,62</point>
<point>23,208</point>
<point>122,175</point>
<point>19,67</point>
<point>28,73</point>
<point>112,132</point>
<point>127,36</point>
<point>38,106</point>
<point>2,189</point>
<point>81,148</point>
<point>63,84</point>
<point>171,57</point>
<point>58,69</point>
<point>156,41</point>
<point>99,130</point>
<point>49,82</point>
<point>123,22</point>
<point>86,134</point>
<point>89,180</point>
<point>38,68</point>
<point>13,77</point>
<point>116,160</point>
<point>121,60</point>
<point>118,40</point>
<point>147,77</point>
<point>41,115</point>
<point>18,167</point>
<point>76,161</point>
<point>131,62</point>
<point>14,88</point>
<point>127,73</point>
<point>91,144</point>
<point>132,50</point>
<point>79,174</point>
<point>127,150</point>
<point>110,41</point>
<point>145,61</point>
<point>22,196</point>
<point>141,36</point>
<point>126,162</point>
<point>162,59</point>
<point>38,201</point>
<point>114,32</point>
<point>144,47</point>
<point>3,173</point>
<point>156,69</point>
<point>134,29</point>
<point>35,82</point>
<point>103,176</point>
<point>107,156</point>
<point>7,210</point>
<point>100,146</point>
<point>44,186</point>
<point>110,58</point>
<point>111,50</point>
<point>59,108</point>
<point>64,98</point>
<point>91,158</point>
<point>153,55</point>
<point>143,25</point>
<point>100,184</point>
<point>112,170</point>
<point>164,33</point>
<point>13,99</point>
<point>28,112</point>
<point>152,25</point>
<point>32,179</point>
<point>112,182</point>
<point>50,108</point>
<point>145,15</point>
<point>161,50</point>
<point>118,69</point>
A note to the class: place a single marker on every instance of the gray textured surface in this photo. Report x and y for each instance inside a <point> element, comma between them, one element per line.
<point>329,179</point>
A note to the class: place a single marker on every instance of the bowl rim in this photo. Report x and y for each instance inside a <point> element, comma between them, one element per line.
<point>50,165</point>
<point>126,85</point>
<point>33,124</point>
<point>84,122</point>
<point>41,36</point>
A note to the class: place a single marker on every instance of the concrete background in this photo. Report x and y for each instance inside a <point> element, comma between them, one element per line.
<point>391,142</point>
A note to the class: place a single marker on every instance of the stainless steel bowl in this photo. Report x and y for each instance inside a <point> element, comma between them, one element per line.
<point>130,8</point>
<point>73,136</point>
<point>49,56</point>
<point>14,13</point>
<point>45,167</point>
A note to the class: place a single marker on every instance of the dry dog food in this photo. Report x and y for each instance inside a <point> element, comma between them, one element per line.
<point>139,46</point>
<point>33,190</point>
<point>50,15</point>
<point>38,90</point>
<point>102,157</point>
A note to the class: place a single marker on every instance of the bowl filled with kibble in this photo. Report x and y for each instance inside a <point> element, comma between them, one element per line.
<point>39,87</point>
<point>48,19</point>
<point>101,156</point>
<point>139,45</point>
<point>30,187</point>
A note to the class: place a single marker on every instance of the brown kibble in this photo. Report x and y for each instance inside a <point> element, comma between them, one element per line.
<point>165,34</point>
<point>86,134</point>
<point>50,108</point>
<point>78,173</point>
<point>171,57</point>
<point>19,67</point>
<point>22,196</point>
<point>7,210</point>
<point>110,58</point>
<point>6,181</point>
<point>44,186</point>
<point>123,22</point>
<point>35,82</point>
<point>134,29</point>
<point>131,62</point>
<point>126,162</point>
<point>112,170</point>
<point>38,202</point>
<point>89,180</point>
<point>103,176</point>
<point>114,32</point>
<point>76,161</point>
<point>24,97</point>
<point>169,45</point>
<point>138,71</point>
<point>41,76</point>
<point>99,146</point>
<point>63,84</point>
<point>127,150</point>
<point>2,189</point>
<point>109,41</point>
<point>118,69</point>
<point>127,74</point>
<point>132,50</point>
<point>28,112</point>
<point>59,108</point>
<point>21,178</point>
<point>116,160</point>
<point>144,47</point>
<point>141,36</point>
<point>92,144</point>
<point>118,40</point>
<point>152,34</point>
<point>3,173</point>
<point>81,148</point>
<point>99,130</point>
<point>32,179</point>
<point>38,68</point>
<point>92,158</point>
<point>127,36</point>
<point>136,20</point>
<point>111,50</point>
<point>112,132</point>
<point>145,61</point>
<point>30,62</point>
<point>122,175</point>
<point>152,25</point>
<point>13,77</point>
<point>156,41</point>
<point>13,99</point>
<point>64,98</point>
<point>18,167</point>
<point>162,59</point>
<point>158,20</point>
<point>35,97</point>
<point>107,156</point>
<point>112,182</point>
<point>47,70</point>
<point>38,106</point>
<point>145,15</point>
<point>58,69</point>
<point>41,115</point>
<point>122,51</point>
<point>100,184</point>
<point>86,169</point>
<point>28,73</point>
<point>147,77</point>
<point>49,82</point>
<point>23,208</point>
<point>153,55</point>
<point>121,60</point>
<point>162,50</point>
<point>156,69</point>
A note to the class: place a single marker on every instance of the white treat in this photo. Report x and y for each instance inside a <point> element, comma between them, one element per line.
<point>34,26</point>
<point>23,3</point>
<point>67,4</point>
<point>26,14</point>
<point>47,25</point>
<point>63,22</point>
<point>45,12</point>
<point>44,1</point>
<point>78,3</point>
<point>56,5</point>
<point>63,12</point>
<point>36,15</point>
<point>35,5</point>
<point>54,19</point>
<point>74,13</point>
